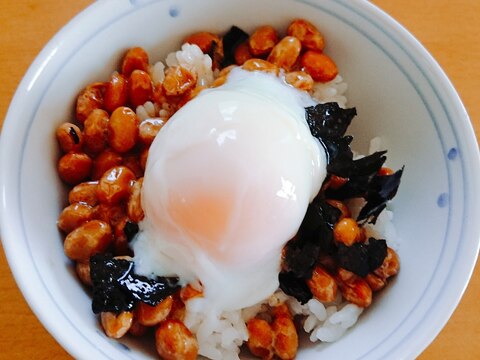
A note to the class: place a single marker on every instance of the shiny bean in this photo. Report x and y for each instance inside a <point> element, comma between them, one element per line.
<point>104,162</point>
<point>114,186</point>
<point>89,99</point>
<point>281,310</point>
<point>320,66</point>
<point>242,53</point>
<point>262,41</point>
<point>137,329</point>
<point>355,290</point>
<point>390,265</point>
<point>260,338</point>
<point>74,167</point>
<point>89,239</point>
<point>85,193</point>
<point>140,88</point>
<point>285,337</point>
<point>189,292</point>
<point>300,80</point>
<point>135,59</point>
<point>204,40</point>
<point>69,137</point>
<point>260,65</point>
<point>322,285</point>
<point>307,33</point>
<point>83,272</point>
<point>73,216</point>
<point>132,162</point>
<point>375,282</point>
<point>111,214</point>
<point>347,232</point>
<point>123,129</point>
<point>95,131</point>
<point>285,53</point>
<point>152,315</point>
<point>148,130</point>
<point>116,92</point>
<point>178,308</point>
<point>175,342</point>
<point>116,325</point>
<point>178,81</point>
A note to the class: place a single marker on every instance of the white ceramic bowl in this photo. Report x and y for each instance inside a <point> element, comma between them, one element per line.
<point>400,93</point>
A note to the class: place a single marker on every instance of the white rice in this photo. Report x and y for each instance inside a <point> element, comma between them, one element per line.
<point>194,60</point>
<point>332,91</point>
<point>220,336</point>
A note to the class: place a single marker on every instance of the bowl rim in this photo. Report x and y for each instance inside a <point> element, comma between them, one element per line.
<point>392,26</point>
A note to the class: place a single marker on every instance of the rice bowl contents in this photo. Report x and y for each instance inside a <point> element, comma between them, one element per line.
<point>228,209</point>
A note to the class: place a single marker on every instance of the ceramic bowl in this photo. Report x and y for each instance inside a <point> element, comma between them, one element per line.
<point>401,95</point>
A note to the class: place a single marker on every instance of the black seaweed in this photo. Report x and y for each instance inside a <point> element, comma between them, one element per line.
<point>314,236</point>
<point>351,169</point>
<point>234,37</point>
<point>131,229</point>
<point>302,252</point>
<point>74,135</point>
<point>329,123</point>
<point>382,188</point>
<point>360,174</point>
<point>362,258</point>
<point>338,152</point>
<point>329,120</point>
<point>377,251</point>
<point>294,286</point>
<point>117,288</point>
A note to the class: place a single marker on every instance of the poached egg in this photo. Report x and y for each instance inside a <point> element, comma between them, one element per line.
<point>227,183</point>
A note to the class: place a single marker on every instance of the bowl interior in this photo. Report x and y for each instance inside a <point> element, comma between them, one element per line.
<point>400,94</point>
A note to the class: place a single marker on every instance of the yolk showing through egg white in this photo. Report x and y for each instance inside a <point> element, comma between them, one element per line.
<point>227,184</point>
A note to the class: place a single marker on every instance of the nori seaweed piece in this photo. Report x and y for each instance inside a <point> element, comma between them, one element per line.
<point>329,120</point>
<point>377,252</point>
<point>302,252</point>
<point>107,294</point>
<point>366,166</point>
<point>117,288</point>
<point>328,123</point>
<point>234,37</point>
<point>314,236</point>
<point>338,152</point>
<point>382,188</point>
<point>294,286</point>
<point>354,258</point>
<point>362,258</point>
<point>359,173</point>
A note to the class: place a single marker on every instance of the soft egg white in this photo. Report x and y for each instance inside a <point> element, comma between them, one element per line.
<point>227,184</point>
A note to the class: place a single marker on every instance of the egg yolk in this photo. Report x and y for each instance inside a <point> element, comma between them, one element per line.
<point>204,216</point>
